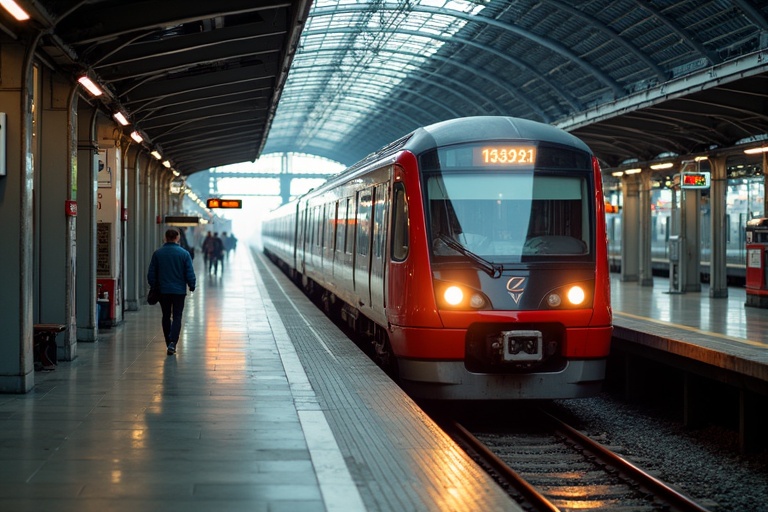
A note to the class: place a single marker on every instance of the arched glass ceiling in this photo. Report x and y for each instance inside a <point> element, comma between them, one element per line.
<point>350,59</point>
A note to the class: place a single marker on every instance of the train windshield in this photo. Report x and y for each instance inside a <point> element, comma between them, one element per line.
<point>509,216</point>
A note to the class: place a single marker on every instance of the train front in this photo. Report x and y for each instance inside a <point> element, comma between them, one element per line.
<point>517,253</point>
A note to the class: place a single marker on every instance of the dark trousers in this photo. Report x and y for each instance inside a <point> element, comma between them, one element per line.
<point>172,305</point>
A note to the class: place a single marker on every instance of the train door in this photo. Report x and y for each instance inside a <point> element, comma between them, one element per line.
<point>378,245</point>
<point>363,246</point>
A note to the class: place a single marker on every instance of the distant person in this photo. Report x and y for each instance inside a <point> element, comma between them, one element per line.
<point>215,254</point>
<point>184,244</point>
<point>229,243</point>
<point>171,268</point>
<point>205,247</point>
<point>225,244</point>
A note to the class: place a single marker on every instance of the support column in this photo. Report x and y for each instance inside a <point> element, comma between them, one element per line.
<point>285,178</point>
<point>718,274</point>
<point>630,230</point>
<point>646,267</point>
<point>132,219</point>
<point>55,224</point>
<point>692,235</point>
<point>16,212</point>
<point>87,171</point>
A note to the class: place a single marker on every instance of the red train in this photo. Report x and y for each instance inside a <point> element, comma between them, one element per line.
<point>471,252</point>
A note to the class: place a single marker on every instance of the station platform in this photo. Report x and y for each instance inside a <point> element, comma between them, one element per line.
<point>721,333</point>
<point>265,407</point>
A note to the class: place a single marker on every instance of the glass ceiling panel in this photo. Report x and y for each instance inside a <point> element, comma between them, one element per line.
<point>352,55</point>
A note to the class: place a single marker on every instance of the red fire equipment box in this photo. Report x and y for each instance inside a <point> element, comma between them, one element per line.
<point>757,243</point>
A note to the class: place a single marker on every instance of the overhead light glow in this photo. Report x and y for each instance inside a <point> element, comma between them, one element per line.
<point>137,136</point>
<point>156,154</point>
<point>120,117</point>
<point>665,165</point>
<point>632,171</point>
<point>90,86</point>
<point>167,163</point>
<point>14,9</point>
<point>755,151</point>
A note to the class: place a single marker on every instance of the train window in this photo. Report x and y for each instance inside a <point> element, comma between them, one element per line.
<point>399,223</point>
<point>341,223</point>
<point>349,237</point>
<point>364,207</point>
<point>379,220</point>
<point>329,237</point>
<point>318,227</point>
<point>510,216</point>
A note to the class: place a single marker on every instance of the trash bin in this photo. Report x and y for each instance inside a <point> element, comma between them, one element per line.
<point>102,313</point>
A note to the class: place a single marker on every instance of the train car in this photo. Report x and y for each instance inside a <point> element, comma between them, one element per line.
<point>473,255</point>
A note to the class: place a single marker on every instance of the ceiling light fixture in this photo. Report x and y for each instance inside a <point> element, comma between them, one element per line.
<point>90,86</point>
<point>137,136</point>
<point>155,153</point>
<point>632,171</point>
<point>14,9</point>
<point>665,165</point>
<point>120,117</point>
<point>755,151</point>
<point>167,163</point>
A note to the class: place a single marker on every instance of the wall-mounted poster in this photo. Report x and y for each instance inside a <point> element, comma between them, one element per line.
<point>103,249</point>
<point>105,171</point>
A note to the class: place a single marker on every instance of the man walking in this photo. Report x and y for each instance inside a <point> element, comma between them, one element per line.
<point>171,269</point>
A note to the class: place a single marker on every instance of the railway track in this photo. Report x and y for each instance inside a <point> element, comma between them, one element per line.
<point>550,466</point>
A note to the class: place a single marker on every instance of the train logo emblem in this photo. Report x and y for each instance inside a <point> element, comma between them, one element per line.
<point>516,287</point>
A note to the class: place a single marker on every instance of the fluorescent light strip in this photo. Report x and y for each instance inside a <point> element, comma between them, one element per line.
<point>121,118</point>
<point>90,86</point>
<point>14,9</point>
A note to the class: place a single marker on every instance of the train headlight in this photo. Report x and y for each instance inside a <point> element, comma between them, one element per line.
<point>576,295</point>
<point>477,301</point>
<point>456,296</point>
<point>453,295</point>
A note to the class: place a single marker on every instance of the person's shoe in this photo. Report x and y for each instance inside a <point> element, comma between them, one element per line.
<point>171,349</point>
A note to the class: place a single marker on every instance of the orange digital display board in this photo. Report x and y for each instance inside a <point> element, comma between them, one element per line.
<point>504,155</point>
<point>225,203</point>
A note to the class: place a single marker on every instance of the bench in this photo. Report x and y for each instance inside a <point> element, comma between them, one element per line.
<point>44,346</point>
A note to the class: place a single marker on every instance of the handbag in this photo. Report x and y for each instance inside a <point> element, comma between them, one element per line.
<point>154,295</point>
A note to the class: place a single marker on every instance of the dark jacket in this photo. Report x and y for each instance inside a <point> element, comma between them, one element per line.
<point>173,266</point>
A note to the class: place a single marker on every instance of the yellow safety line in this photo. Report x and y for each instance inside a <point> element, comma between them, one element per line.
<point>692,329</point>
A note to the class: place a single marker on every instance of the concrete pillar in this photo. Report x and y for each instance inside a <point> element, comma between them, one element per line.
<point>646,267</point>
<point>692,234</point>
<point>16,211</point>
<point>133,242</point>
<point>87,171</point>
<point>718,276</point>
<point>630,228</point>
<point>55,221</point>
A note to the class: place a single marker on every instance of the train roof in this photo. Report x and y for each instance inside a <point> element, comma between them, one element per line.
<point>473,129</point>
<point>458,131</point>
<point>488,128</point>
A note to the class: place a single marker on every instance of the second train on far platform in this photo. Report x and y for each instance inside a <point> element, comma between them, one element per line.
<point>472,253</point>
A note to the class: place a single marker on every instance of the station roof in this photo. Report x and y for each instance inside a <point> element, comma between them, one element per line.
<point>223,82</point>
